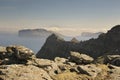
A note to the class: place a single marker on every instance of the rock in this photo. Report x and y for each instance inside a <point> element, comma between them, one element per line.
<point>71,63</point>
<point>52,48</point>
<point>109,59</point>
<point>103,45</point>
<point>49,66</point>
<point>22,72</point>
<point>14,67</point>
<point>93,70</point>
<point>21,52</point>
<point>84,72</point>
<point>2,49</point>
<point>80,58</point>
<point>63,64</point>
<point>114,72</point>
<point>2,52</point>
<point>116,62</point>
<point>112,59</point>
<point>74,40</point>
<point>15,54</point>
<point>71,76</point>
<point>60,60</point>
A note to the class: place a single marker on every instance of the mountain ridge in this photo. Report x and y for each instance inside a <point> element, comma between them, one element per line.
<point>106,43</point>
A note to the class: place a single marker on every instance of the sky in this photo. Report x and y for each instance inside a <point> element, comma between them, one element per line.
<point>69,17</point>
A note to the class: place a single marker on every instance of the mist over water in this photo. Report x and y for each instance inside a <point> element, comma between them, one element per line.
<point>34,43</point>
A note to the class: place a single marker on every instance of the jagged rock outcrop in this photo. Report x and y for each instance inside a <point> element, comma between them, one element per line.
<point>56,46</point>
<point>15,54</point>
<point>106,43</point>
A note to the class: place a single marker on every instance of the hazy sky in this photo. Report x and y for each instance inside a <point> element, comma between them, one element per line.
<point>65,16</point>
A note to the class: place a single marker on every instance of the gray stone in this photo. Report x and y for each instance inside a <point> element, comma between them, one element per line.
<point>80,58</point>
<point>2,49</point>
<point>21,52</point>
<point>112,59</point>
<point>15,54</point>
<point>50,66</point>
<point>60,60</point>
<point>91,70</point>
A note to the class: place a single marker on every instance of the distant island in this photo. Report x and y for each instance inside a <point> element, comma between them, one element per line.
<point>90,34</point>
<point>34,33</point>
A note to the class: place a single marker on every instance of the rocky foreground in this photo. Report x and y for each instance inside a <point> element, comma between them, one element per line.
<point>20,63</point>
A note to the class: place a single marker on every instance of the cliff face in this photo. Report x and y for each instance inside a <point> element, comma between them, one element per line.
<point>108,43</point>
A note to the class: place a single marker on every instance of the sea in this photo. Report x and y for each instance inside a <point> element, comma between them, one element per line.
<point>34,43</point>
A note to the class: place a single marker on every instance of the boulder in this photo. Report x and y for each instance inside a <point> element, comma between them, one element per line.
<point>112,59</point>
<point>15,54</point>
<point>63,64</point>
<point>80,58</point>
<point>20,52</point>
<point>116,62</point>
<point>2,49</point>
<point>2,52</point>
<point>59,60</point>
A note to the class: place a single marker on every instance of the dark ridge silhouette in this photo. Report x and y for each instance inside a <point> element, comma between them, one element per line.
<point>106,43</point>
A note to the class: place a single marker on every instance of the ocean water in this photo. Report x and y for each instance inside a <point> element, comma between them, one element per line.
<point>34,43</point>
